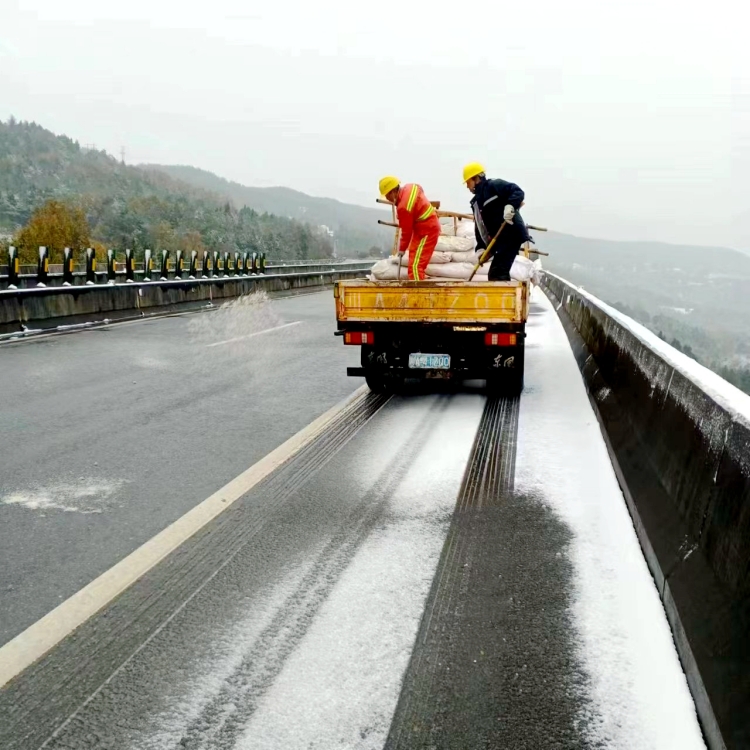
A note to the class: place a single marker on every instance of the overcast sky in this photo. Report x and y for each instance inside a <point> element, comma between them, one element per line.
<point>626,120</point>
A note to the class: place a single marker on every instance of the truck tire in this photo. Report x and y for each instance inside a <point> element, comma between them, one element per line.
<point>376,382</point>
<point>505,383</point>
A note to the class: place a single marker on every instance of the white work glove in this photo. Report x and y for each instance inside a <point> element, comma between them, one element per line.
<point>508,213</point>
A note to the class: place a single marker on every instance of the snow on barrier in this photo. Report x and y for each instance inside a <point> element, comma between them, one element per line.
<point>679,438</point>
<point>24,308</point>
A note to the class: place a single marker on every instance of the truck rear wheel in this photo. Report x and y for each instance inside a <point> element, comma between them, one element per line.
<point>505,383</point>
<point>376,382</point>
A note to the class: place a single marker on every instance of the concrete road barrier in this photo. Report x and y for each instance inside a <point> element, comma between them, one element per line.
<point>37,307</point>
<point>682,455</point>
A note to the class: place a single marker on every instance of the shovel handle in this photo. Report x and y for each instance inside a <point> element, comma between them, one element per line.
<point>486,253</point>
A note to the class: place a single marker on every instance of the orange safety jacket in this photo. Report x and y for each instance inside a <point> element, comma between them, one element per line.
<point>413,211</point>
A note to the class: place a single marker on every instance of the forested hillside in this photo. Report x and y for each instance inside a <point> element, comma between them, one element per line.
<point>696,298</point>
<point>355,227</point>
<point>132,207</point>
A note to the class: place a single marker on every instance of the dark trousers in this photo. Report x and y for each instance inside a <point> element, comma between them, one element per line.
<point>504,252</point>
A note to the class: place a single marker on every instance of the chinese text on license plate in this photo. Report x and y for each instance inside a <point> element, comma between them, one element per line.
<point>430,361</point>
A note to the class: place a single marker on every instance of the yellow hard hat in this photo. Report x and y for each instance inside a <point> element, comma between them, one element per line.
<point>472,170</point>
<point>387,184</point>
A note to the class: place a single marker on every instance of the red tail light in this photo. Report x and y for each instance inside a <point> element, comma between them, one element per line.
<point>500,339</point>
<point>359,337</point>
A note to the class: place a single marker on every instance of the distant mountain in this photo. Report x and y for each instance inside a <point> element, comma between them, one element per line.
<point>355,227</point>
<point>698,296</point>
<point>127,206</point>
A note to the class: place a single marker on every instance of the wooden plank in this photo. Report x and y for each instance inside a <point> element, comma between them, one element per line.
<point>454,215</point>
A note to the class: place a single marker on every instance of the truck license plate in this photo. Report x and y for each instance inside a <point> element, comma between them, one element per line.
<point>430,361</point>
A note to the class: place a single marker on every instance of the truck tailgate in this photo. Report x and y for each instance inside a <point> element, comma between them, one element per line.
<point>431,301</point>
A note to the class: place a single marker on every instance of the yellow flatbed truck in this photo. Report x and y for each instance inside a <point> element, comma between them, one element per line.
<point>435,329</point>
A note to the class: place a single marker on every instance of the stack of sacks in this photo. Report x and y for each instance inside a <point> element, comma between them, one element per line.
<point>465,229</point>
<point>449,251</point>
<point>523,270</point>
<point>460,249</point>
<point>458,270</point>
<point>454,258</point>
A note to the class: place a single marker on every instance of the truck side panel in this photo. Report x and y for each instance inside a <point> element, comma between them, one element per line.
<point>457,302</point>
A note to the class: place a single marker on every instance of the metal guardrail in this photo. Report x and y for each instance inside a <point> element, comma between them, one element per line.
<point>31,311</point>
<point>211,265</point>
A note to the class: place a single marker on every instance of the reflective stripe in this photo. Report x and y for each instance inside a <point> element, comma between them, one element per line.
<point>412,197</point>
<point>417,256</point>
<point>427,213</point>
<point>494,198</point>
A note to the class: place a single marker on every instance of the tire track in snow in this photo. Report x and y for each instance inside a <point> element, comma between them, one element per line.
<point>222,722</point>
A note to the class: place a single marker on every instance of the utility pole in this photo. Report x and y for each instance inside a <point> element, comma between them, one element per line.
<point>122,154</point>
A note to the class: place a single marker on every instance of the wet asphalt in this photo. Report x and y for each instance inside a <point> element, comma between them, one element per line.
<point>109,435</point>
<point>212,649</point>
<point>388,587</point>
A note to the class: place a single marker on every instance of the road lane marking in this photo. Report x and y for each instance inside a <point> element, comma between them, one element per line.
<point>257,333</point>
<point>38,639</point>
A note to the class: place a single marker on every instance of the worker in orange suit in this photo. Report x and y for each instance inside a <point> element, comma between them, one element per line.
<point>417,220</point>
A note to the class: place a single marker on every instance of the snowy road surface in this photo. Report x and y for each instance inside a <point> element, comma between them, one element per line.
<point>425,583</point>
<point>113,433</point>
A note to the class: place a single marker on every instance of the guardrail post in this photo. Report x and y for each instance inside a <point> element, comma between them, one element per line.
<point>67,267</point>
<point>254,264</point>
<point>262,264</point>
<point>164,265</point>
<point>42,267</point>
<point>226,264</point>
<point>216,264</point>
<point>179,264</point>
<point>129,266</point>
<point>205,265</point>
<point>111,268</point>
<point>148,265</point>
<point>235,260</point>
<point>245,264</point>
<point>90,266</point>
<point>13,268</point>
<point>193,264</point>
<point>239,262</point>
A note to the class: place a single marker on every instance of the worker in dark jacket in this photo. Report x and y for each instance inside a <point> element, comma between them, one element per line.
<point>495,202</point>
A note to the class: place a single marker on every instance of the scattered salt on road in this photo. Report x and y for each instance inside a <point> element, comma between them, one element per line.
<point>640,693</point>
<point>86,496</point>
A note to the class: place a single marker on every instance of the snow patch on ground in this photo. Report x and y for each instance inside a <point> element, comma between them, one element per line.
<point>85,496</point>
<point>166,729</point>
<point>640,694</point>
<point>340,688</point>
<point>340,685</point>
<point>152,363</point>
